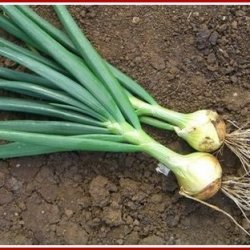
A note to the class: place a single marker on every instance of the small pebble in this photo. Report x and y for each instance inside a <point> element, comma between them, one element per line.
<point>234,79</point>
<point>21,222</point>
<point>68,212</point>
<point>234,24</point>
<point>119,242</point>
<point>136,223</point>
<point>213,38</point>
<point>135,20</point>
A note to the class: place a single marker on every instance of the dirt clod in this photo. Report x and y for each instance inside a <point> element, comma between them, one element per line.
<point>152,240</point>
<point>5,196</point>
<point>112,216</point>
<point>98,191</point>
<point>75,235</point>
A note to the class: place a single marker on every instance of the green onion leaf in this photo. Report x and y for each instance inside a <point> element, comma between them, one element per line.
<point>51,127</point>
<point>80,110</point>
<point>57,34</point>
<point>157,123</point>
<point>68,142</point>
<point>131,85</point>
<point>15,75</point>
<point>9,27</point>
<point>39,58</point>
<point>41,108</point>
<point>19,149</point>
<point>111,138</point>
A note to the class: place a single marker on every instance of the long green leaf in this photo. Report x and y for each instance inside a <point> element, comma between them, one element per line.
<point>95,62</point>
<point>61,37</point>
<point>68,142</point>
<point>48,27</point>
<point>9,27</point>
<point>63,82</point>
<point>76,109</point>
<point>19,149</point>
<point>102,137</point>
<point>64,57</point>
<point>14,75</point>
<point>131,85</point>
<point>156,123</point>
<point>51,127</point>
<point>7,44</point>
<point>47,94</point>
<point>41,108</point>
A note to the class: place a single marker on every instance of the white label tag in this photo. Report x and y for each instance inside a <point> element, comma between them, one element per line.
<point>162,169</point>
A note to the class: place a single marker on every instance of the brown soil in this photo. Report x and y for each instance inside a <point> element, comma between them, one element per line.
<point>188,57</point>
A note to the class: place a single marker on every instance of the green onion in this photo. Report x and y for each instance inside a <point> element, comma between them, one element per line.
<point>78,86</point>
<point>96,93</point>
<point>204,130</point>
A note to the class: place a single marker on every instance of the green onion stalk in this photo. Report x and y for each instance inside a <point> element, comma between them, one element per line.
<point>94,106</point>
<point>204,130</point>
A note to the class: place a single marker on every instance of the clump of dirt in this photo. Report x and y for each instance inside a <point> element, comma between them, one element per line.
<point>188,57</point>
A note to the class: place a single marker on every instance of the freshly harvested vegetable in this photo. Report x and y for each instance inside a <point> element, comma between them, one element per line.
<point>204,130</point>
<point>85,91</point>
<point>96,100</point>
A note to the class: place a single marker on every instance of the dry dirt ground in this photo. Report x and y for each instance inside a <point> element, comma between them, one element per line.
<point>188,57</point>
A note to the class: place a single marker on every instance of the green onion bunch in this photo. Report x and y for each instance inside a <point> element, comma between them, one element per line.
<point>92,106</point>
<point>204,130</point>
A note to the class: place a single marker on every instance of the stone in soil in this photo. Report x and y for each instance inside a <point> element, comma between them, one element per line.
<point>112,216</point>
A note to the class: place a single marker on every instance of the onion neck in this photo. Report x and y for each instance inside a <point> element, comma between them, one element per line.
<point>157,111</point>
<point>147,144</point>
